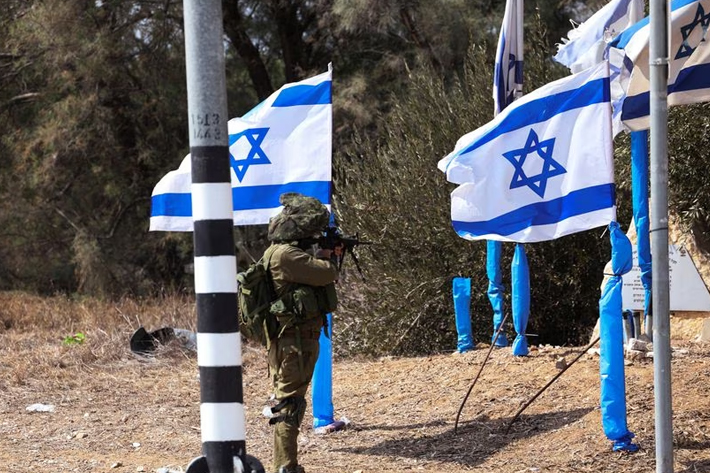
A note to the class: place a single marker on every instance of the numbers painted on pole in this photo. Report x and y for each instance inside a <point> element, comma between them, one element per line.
<point>206,126</point>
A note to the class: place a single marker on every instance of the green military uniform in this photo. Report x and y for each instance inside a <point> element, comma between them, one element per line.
<point>306,291</point>
<point>301,279</point>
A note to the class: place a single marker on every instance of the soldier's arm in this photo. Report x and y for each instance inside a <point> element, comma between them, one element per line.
<point>299,267</point>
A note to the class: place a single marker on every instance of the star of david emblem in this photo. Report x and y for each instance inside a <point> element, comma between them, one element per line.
<point>685,49</point>
<point>550,167</point>
<point>245,150</point>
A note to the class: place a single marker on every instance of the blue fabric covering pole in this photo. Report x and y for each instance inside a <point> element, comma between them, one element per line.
<point>322,389</point>
<point>462,309</point>
<point>611,361</point>
<point>639,196</point>
<point>521,299</point>
<point>494,249</point>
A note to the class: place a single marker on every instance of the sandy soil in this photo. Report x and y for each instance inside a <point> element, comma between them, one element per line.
<point>124,413</point>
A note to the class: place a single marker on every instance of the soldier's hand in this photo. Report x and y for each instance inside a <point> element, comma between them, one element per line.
<point>323,253</point>
<point>339,250</point>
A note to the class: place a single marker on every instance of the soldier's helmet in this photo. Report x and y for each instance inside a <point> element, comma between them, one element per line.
<point>302,217</point>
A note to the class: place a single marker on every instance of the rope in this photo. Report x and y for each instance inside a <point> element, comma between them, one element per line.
<point>493,344</point>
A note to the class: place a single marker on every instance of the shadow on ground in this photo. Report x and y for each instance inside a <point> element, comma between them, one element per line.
<point>475,441</point>
<point>695,467</point>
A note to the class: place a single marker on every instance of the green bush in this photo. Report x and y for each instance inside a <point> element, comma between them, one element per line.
<point>388,188</point>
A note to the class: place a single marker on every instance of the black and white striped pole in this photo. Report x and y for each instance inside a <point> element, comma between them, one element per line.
<point>219,351</point>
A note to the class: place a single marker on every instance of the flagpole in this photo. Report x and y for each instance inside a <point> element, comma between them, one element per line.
<point>658,63</point>
<point>219,356</point>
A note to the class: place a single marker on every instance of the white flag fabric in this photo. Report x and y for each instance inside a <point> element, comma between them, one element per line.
<point>508,74</point>
<point>282,145</point>
<point>543,168</point>
<point>586,45</point>
<point>689,61</point>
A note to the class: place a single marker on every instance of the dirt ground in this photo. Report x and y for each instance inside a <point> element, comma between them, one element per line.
<point>117,412</point>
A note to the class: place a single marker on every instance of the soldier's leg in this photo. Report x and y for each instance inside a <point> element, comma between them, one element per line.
<point>286,433</point>
<point>291,374</point>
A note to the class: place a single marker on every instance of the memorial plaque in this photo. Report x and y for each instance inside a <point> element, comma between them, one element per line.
<point>687,289</point>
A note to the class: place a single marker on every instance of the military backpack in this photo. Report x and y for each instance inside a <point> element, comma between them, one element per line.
<point>255,294</point>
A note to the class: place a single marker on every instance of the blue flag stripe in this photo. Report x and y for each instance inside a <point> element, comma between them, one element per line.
<point>304,95</point>
<point>691,78</point>
<point>243,198</point>
<point>502,99</point>
<point>266,197</point>
<point>171,205</point>
<point>621,41</point>
<point>575,203</point>
<point>542,109</point>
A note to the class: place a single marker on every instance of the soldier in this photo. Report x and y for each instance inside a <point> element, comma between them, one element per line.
<point>305,286</point>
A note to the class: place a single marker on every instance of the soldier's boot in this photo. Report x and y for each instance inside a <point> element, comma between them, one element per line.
<point>295,469</point>
<point>291,411</point>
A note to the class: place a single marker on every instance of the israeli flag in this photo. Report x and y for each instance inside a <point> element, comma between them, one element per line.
<point>586,45</point>
<point>508,74</point>
<point>689,61</point>
<point>282,145</point>
<point>543,168</point>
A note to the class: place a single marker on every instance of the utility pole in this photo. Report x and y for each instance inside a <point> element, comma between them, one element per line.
<point>219,350</point>
<point>658,64</point>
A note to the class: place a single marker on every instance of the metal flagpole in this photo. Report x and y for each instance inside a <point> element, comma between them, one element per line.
<point>219,351</point>
<point>658,62</point>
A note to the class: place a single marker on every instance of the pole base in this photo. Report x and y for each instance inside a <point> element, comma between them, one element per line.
<point>332,427</point>
<point>199,465</point>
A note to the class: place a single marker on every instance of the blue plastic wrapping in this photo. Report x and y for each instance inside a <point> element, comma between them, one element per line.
<point>496,290</point>
<point>521,299</point>
<point>611,361</point>
<point>322,388</point>
<point>462,309</point>
<point>639,196</point>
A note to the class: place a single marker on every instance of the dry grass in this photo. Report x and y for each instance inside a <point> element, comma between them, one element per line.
<point>116,409</point>
<point>39,327</point>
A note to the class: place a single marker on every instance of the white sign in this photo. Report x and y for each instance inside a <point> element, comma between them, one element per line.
<point>687,289</point>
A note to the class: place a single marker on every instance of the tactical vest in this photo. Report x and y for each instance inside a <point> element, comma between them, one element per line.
<point>301,304</point>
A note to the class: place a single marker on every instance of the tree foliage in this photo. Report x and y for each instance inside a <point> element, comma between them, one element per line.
<point>391,190</point>
<point>104,88</point>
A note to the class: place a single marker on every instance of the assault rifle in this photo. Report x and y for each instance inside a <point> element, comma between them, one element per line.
<point>333,236</point>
